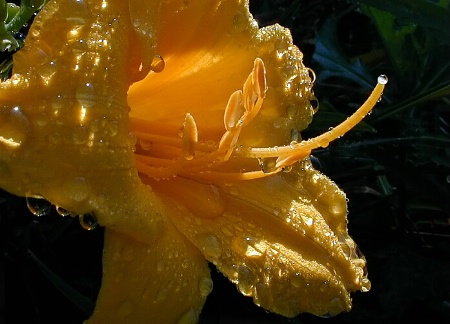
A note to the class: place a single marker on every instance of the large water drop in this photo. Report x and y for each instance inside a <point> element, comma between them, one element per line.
<point>38,206</point>
<point>88,221</point>
<point>14,127</point>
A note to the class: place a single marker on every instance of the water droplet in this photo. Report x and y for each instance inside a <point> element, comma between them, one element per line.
<point>161,295</point>
<point>382,79</point>
<point>314,104</point>
<point>86,96</point>
<point>205,286</point>
<point>160,266</point>
<point>263,296</point>
<point>365,285</point>
<point>246,280</point>
<point>227,230</point>
<point>448,179</point>
<point>297,280</point>
<point>210,245</point>
<point>38,206</point>
<point>76,189</point>
<point>14,127</point>
<point>62,212</point>
<point>80,135</point>
<point>185,263</point>
<point>324,286</point>
<point>239,21</point>
<point>268,165</point>
<point>47,71</point>
<point>307,220</point>
<point>157,64</point>
<point>88,221</point>
<point>113,128</point>
<point>58,102</point>
<point>190,317</point>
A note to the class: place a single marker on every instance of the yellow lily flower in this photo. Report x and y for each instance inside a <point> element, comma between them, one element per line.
<point>176,123</point>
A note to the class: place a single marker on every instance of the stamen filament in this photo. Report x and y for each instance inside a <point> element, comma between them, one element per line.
<point>289,154</point>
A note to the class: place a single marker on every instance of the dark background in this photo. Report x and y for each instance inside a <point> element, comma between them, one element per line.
<point>394,168</point>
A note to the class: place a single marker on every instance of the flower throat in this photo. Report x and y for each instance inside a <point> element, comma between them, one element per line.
<point>187,155</point>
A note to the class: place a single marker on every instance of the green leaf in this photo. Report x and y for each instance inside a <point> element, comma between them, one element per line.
<point>333,60</point>
<point>431,15</point>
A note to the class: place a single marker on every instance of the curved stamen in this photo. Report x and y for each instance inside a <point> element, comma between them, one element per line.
<point>289,154</point>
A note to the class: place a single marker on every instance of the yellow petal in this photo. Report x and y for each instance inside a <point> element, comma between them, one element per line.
<point>64,117</point>
<point>208,49</point>
<point>166,282</point>
<point>282,240</point>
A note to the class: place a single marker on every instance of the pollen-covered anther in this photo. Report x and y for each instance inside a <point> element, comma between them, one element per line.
<point>189,137</point>
<point>254,90</point>
<point>233,111</point>
<point>259,78</point>
<point>243,106</point>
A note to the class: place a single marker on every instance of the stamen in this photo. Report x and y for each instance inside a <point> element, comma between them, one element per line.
<point>292,153</point>
<point>259,78</point>
<point>190,137</point>
<point>169,156</point>
<point>233,111</point>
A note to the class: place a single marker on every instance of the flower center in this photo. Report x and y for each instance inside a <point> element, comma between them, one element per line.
<point>162,156</point>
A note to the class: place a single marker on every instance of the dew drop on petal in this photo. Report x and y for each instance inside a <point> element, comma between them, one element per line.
<point>297,280</point>
<point>88,221</point>
<point>263,295</point>
<point>86,96</point>
<point>205,286</point>
<point>158,64</point>
<point>185,263</point>
<point>190,317</point>
<point>14,127</point>
<point>246,280</point>
<point>161,295</point>
<point>38,206</point>
<point>210,245</point>
<point>62,212</point>
<point>160,266</point>
<point>76,189</point>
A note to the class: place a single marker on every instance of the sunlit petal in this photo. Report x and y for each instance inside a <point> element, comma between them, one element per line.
<point>282,239</point>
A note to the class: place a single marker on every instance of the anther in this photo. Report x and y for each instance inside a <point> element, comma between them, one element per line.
<point>190,137</point>
<point>289,154</point>
<point>259,78</point>
<point>233,111</point>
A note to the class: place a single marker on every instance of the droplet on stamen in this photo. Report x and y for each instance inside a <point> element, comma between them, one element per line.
<point>268,165</point>
<point>383,79</point>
